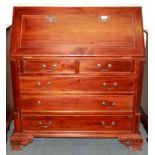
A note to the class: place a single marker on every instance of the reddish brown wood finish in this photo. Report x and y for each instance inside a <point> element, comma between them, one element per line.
<point>15,69</point>
<point>77,84</point>
<point>77,103</point>
<point>110,66</point>
<point>77,123</point>
<point>20,139</point>
<point>133,141</point>
<point>77,76</point>
<point>37,30</point>
<point>129,42</point>
<point>44,66</point>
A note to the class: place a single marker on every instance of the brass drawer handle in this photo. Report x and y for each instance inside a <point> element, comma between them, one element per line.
<point>104,84</point>
<point>99,66</point>
<point>38,84</point>
<point>50,19</point>
<point>113,103</point>
<point>104,124</point>
<point>49,123</point>
<point>49,83</point>
<point>104,103</point>
<point>114,85</point>
<point>106,68</point>
<point>54,66</point>
<point>109,65</point>
<point>43,66</point>
<point>103,18</point>
<point>44,125</point>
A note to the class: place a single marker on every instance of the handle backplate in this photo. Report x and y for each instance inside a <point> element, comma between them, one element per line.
<point>108,125</point>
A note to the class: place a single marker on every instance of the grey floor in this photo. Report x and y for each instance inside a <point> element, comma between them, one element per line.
<point>68,146</point>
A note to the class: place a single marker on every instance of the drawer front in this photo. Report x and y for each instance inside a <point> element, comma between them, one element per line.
<point>77,84</point>
<point>54,66</point>
<point>106,66</point>
<point>78,104</point>
<point>77,123</point>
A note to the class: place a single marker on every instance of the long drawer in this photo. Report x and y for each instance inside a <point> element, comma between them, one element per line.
<point>77,123</point>
<point>76,103</point>
<point>77,84</point>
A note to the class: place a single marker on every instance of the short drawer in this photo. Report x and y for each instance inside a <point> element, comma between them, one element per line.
<point>77,84</point>
<point>77,123</point>
<point>51,66</point>
<point>106,66</point>
<point>76,103</point>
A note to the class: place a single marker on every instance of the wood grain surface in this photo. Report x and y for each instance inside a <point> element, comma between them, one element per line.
<point>77,72</point>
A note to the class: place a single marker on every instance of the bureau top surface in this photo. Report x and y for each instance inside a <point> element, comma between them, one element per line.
<point>77,31</point>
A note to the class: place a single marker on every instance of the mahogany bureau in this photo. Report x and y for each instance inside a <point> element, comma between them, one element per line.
<point>77,72</point>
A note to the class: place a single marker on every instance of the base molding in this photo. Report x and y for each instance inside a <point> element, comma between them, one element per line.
<point>20,139</point>
<point>135,142</point>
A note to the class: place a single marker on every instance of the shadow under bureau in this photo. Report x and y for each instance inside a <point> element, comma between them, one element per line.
<point>77,72</point>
